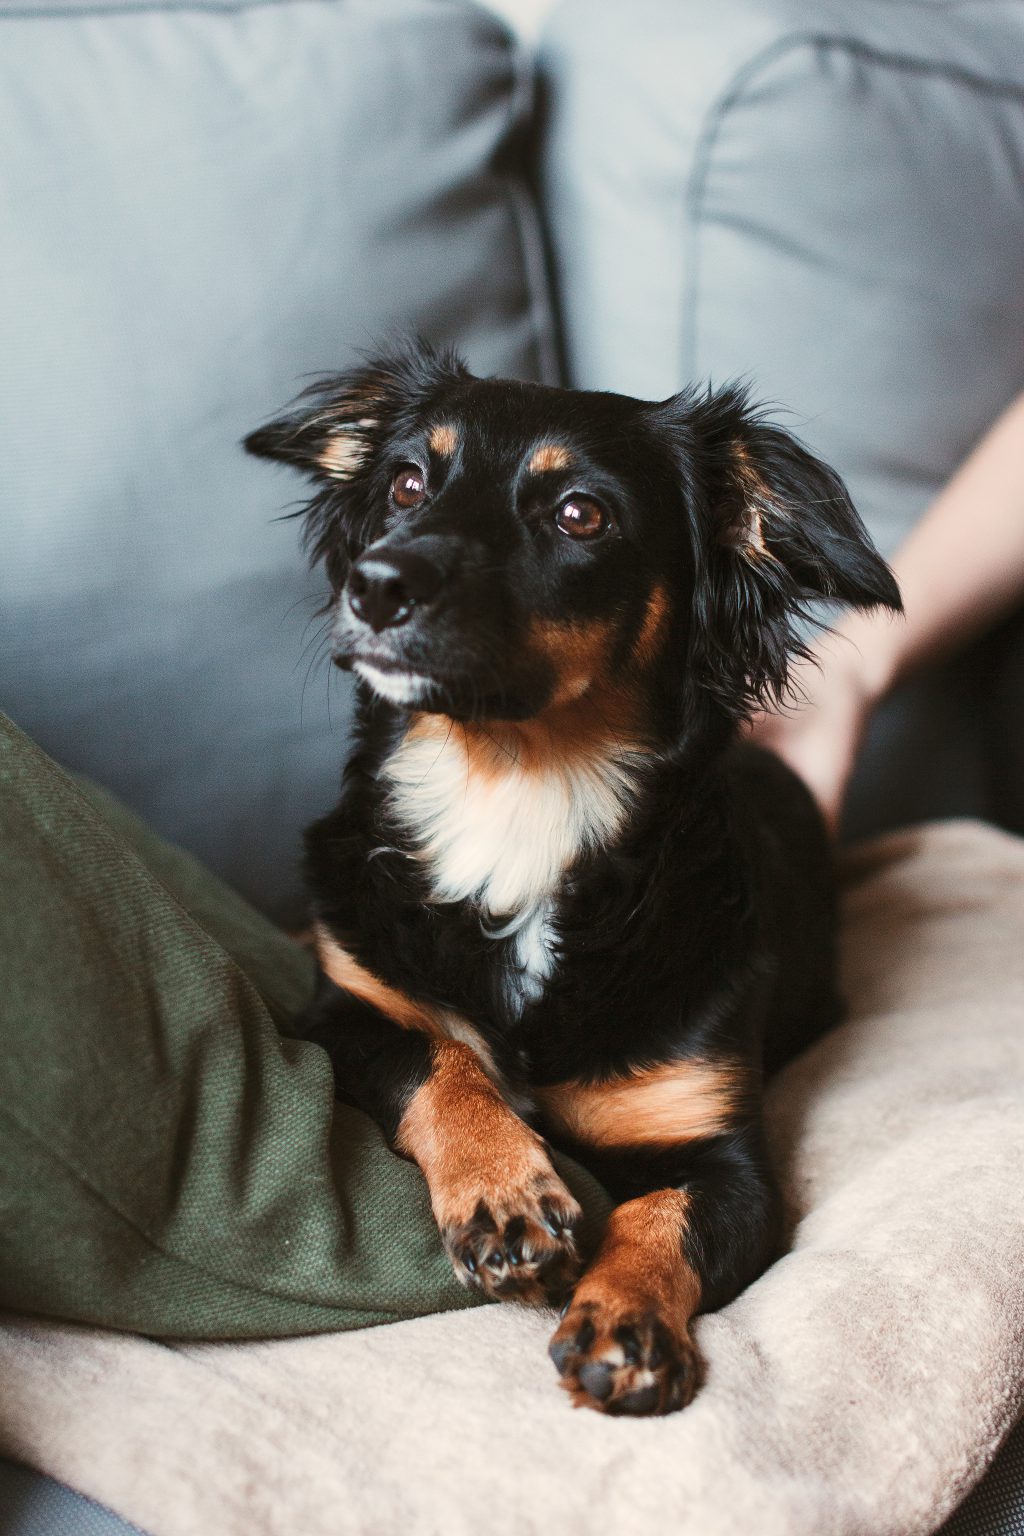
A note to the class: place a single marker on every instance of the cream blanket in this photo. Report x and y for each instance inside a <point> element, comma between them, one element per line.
<point>861,1386</point>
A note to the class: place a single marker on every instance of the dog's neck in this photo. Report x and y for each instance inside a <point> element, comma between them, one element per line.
<point>502,811</point>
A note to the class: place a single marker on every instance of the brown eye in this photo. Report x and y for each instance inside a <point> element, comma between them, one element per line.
<point>582,518</point>
<point>408,487</point>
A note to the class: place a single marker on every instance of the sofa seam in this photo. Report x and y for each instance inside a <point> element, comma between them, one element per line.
<point>470,8</point>
<point>526,216</point>
<point>733,92</point>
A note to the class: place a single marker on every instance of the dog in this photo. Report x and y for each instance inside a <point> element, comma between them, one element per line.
<point>560,902</point>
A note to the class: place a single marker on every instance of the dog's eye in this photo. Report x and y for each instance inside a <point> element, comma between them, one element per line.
<point>582,518</point>
<point>408,487</point>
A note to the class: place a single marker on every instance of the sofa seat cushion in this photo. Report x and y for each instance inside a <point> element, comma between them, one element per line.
<point>859,1388</point>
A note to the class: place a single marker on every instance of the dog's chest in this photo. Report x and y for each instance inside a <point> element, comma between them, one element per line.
<point>502,835</point>
<point>531,956</point>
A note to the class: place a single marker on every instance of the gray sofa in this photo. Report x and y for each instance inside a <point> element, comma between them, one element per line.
<point>205,203</point>
<point>208,204</point>
<point>826,199</point>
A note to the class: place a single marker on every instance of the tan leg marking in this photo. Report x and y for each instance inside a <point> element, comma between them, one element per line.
<point>547,457</point>
<point>675,1101</point>
<point>444,440</point>
<point>440,1023</point>
<point>505,1216</point>
<point>349,974</point>
<point>624,1345</point>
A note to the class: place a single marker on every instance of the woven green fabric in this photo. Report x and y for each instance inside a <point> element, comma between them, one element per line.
<point>170,1161</point>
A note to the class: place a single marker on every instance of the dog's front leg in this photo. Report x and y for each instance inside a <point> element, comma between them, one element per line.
<point>701,1224</point>
<point>505,1217</point>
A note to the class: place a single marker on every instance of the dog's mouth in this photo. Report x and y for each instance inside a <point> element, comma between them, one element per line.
<point>405,680</point>
<point>395,681</point>
<point>457,690</point>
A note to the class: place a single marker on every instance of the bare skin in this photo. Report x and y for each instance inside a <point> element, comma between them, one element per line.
<point>960,571</point>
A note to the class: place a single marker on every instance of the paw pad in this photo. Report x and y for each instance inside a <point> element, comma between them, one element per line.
<point>625,1363</point>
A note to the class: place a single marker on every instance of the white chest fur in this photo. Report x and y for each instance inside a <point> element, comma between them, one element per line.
<point>502,830</point>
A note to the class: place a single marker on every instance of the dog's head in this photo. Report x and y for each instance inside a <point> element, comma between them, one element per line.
<point>496,549</point>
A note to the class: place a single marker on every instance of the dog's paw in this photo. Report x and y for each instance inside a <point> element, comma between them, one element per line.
<point>624,1359</point>
<point>518,1244</point>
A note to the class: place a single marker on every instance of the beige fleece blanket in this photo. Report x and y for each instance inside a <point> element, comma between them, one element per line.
<point>861,1386</point>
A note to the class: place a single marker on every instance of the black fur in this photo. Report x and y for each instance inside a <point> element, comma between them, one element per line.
<point>705,927</point>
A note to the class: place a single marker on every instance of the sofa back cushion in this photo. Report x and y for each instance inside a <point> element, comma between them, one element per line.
<point>827,199</point>
<point>203,205</point>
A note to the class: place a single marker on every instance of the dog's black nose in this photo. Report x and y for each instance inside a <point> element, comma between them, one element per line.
<point>384,586</point>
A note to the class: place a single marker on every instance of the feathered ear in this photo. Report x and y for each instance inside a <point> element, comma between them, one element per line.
<point>329,440</point>
<point>775,531</point>
<point>332,434</point>
<point>334,425</point>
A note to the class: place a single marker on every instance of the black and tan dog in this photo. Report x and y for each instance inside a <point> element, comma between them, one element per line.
<point>557,902</point>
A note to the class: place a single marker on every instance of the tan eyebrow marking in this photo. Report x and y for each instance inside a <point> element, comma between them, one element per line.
<point>547,457</point>
<point>444,440</point>
<point>673,1102</point>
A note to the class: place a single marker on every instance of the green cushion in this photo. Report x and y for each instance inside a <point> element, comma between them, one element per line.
<point>170,1161</point>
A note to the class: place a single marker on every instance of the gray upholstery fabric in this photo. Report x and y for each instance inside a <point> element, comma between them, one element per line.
<point>203,204</point>
<point>996,1505</point>
<point>829,200</point>
<point>33,1505</point>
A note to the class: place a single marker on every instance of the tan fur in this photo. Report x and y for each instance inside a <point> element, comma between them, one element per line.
<point>500,811</point>
<point>347,972</point>
<point>651,638</point>
<point>576,652</point>
<point>565,736</point>
<point>747,533</point>
<point>639,1278</point>
<point>548,457</point>
<point>672,1102</point>
<point>440,1023</point>
<point>641,1258</point>
<point>469,1144</point>
<point>343,453</point>
<point>444,440</point>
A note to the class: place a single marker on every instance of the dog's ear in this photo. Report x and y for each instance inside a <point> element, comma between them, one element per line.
<point>329,433</point>
<point>774,531</point>
<point>331,430</point>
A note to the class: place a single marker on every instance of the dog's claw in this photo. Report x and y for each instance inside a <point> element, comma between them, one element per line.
<point>522,1256</point>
